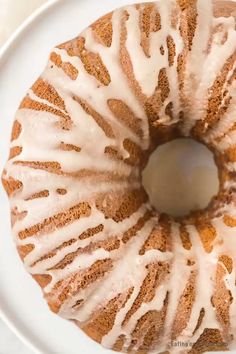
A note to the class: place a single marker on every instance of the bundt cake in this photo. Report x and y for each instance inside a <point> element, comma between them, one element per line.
<point>133,279</point>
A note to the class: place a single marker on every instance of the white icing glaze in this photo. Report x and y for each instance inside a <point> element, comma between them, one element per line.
<point>41,137</point>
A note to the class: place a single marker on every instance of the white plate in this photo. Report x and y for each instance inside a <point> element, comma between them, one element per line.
<point>21,61</point>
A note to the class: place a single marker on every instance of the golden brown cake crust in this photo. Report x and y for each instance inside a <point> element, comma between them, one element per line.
<point>132,279</point>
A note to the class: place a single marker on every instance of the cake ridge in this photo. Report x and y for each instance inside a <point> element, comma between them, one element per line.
<point>132,279</point>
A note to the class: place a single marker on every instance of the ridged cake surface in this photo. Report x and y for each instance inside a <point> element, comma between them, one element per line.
<point>132,279</point>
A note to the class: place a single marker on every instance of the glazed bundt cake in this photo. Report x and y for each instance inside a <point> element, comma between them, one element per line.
<point>133,279</point>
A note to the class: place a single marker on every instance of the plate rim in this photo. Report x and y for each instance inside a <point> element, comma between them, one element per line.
<point>5,50</point>
<point>12,40</point>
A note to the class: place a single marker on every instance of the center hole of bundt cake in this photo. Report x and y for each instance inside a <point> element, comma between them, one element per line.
<point>181,176</point>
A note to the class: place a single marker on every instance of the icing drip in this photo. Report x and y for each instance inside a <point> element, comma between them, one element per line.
<point>80,217</point>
